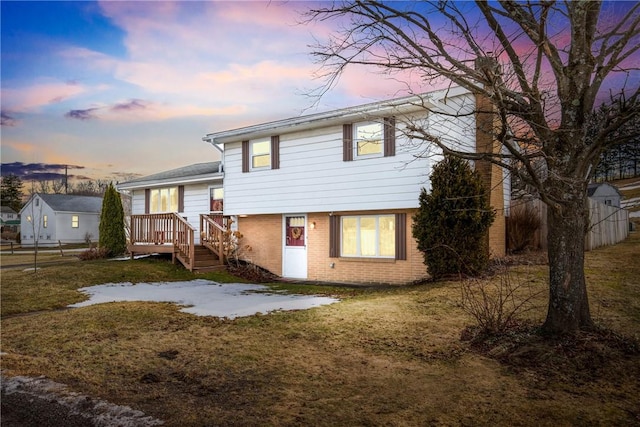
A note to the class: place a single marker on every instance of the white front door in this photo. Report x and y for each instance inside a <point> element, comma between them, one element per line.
<point>294,261</point>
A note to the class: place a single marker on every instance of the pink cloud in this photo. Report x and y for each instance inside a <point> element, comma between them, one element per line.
<point>39,95</point>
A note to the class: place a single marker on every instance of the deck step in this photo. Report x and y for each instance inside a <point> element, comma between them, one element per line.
<point>204,260</point>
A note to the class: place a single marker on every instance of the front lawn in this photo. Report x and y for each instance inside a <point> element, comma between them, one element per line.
<point>391,356</point>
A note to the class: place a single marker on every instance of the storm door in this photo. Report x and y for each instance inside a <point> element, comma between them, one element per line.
<point>294,260</point>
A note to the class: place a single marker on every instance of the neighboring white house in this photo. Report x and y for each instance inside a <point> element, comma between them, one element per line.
<point>330,196</point>
<point>188,191</point>
<point>49,218</point>
<point>9,219</point>
<point>605,193</point>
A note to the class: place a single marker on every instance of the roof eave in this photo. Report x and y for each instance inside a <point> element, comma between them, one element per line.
<point>170,181</point>
<point>394,106</point>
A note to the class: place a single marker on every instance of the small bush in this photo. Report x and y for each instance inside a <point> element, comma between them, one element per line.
<point>496,305</point>
<point>112,236</point>
<point>524,221</point>
<point>93,253</point>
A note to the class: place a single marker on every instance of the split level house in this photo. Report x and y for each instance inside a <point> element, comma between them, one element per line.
<point>49,219</point>
<point>329,196</point>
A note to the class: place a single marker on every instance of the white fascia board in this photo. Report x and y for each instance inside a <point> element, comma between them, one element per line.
<point>172,181</point>
<point>395,106</point>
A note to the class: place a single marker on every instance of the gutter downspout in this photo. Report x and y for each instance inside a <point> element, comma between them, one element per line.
<point>220,149</point>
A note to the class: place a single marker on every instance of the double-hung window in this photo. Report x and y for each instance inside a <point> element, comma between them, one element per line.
<point>368,138</point>
<point>260,153</point>
<point>75,221</point>
<point>372,139</point>
<point>369,236</point>
<point>45,221</point>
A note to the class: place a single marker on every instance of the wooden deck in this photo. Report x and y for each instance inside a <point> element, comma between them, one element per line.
<point>170,233</point>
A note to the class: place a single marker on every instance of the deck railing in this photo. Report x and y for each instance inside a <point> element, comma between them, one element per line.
<point>183,241</point>
<point>171,233</point>
<point>212,234</point>
<point>152,229</point>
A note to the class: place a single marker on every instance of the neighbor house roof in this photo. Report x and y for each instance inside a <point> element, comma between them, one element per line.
<point>591,188</point>
<point>71,203</point>
<point>187,174</point>
<point>343,115</point>
<point>7,210</point>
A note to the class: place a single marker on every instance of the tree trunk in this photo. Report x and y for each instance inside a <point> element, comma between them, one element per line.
<point>568,309</point>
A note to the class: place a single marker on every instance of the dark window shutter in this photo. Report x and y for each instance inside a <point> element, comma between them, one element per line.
<point>245,156</point>
<point>181,198</point>
<point>401,236</point>
<point>347,142</point>
<point>334,236</point>
<point>147,200</point>
<point>389,136</point>
<point>275,152</point>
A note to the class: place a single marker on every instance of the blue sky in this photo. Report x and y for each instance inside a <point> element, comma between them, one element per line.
<point>122,88</point>
<point>118,89</point>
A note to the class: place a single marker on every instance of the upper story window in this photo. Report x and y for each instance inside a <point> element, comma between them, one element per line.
<point>367,139</point>
<point>45,221</point>
<point>75,221</point>
<point>216,196</point>
<point>260,153</point>
<point>163,200</point>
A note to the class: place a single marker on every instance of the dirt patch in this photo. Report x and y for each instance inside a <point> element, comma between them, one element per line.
<point>251,272</point>
<point>39,401</point>
<point>583,358</point>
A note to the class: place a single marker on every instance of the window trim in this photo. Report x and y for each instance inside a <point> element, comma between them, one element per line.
<point>179,194</point>
<point>350,146</point>
<point>381,134</point>
<point>335,240</point>
<point>252,143</point>
<point>75,221</point>
<point>45,221</point>
<point>377,237</point>
<point>211,189</point>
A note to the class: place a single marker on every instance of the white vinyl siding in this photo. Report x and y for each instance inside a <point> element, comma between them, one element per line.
<point>313,177</point>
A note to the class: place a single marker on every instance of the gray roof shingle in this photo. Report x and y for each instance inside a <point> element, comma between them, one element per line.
<point>73,203</point>
<point>183,172</point>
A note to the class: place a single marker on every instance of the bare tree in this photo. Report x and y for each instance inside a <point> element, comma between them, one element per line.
<point>543,65</point>
<point>36,219</point>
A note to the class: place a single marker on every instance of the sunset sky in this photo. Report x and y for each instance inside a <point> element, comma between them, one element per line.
<point>121,88</point>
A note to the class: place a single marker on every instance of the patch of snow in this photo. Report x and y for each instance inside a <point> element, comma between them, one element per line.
<point>204,297</point>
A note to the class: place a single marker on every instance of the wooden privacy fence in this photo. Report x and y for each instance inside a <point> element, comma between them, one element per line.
<point>608,224</point>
